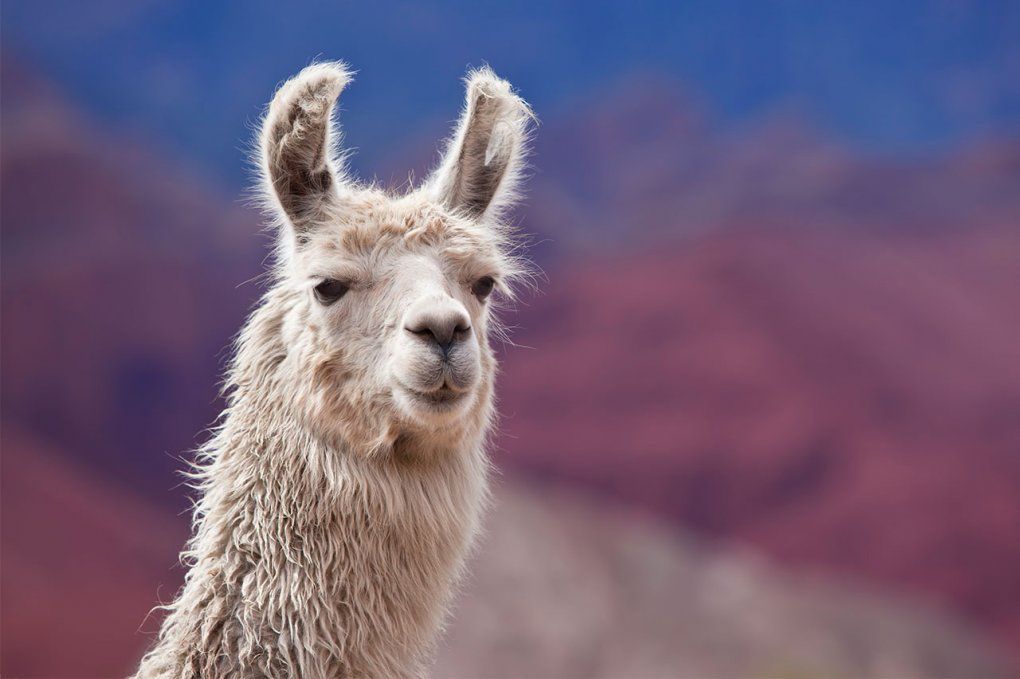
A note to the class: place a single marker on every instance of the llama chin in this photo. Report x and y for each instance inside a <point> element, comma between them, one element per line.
<point>341,492</point>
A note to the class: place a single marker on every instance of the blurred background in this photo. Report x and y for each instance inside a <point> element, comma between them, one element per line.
<point>763,415</point>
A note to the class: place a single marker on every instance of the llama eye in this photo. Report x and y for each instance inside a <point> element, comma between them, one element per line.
<point>483,287</point>
<point>330,290</point>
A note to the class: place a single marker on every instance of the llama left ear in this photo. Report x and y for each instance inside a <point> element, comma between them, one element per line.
<point>482,166</point>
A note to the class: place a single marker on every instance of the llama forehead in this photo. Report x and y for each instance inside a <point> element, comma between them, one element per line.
<point>373,232</point>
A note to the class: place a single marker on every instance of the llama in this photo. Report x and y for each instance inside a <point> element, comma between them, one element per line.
<point>344,484</point>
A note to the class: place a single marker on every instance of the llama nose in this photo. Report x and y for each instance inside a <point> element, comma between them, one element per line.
<point>443,328</point>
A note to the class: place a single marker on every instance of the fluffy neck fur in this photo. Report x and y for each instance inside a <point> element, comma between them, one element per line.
<point>319,553</point>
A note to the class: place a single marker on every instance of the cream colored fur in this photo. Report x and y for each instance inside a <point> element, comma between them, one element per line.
<point>340,494</point>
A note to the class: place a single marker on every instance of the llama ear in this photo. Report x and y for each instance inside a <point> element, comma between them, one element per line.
<point>297,141</point>
<point>483,161</point>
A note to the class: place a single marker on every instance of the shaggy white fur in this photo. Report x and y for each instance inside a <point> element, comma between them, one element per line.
<point>344,485</point>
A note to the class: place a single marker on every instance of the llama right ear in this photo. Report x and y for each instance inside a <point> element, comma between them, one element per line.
<point>298,140</point>
<point>482,165</point>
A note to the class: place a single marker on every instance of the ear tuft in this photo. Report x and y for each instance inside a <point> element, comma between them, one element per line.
<point>297,141</point>
<point>481,168</point>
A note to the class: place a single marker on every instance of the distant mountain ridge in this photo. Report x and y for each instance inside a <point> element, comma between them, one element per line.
<point>643,165</point>
<point>839,400</point>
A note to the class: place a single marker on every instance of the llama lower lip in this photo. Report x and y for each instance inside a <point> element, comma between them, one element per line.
<point>444,397</point>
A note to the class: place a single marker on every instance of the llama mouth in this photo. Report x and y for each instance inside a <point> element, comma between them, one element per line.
<point>443,398</point>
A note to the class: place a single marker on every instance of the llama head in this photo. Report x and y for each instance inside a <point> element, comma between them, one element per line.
<point>390,295</point>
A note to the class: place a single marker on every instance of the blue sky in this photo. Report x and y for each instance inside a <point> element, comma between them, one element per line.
<point>192,75</point>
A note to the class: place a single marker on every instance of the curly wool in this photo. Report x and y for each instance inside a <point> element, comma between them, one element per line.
<point>329,533</point>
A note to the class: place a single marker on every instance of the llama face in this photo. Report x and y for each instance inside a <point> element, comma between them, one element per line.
<point>398,292</point>
<point>393,293</point>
